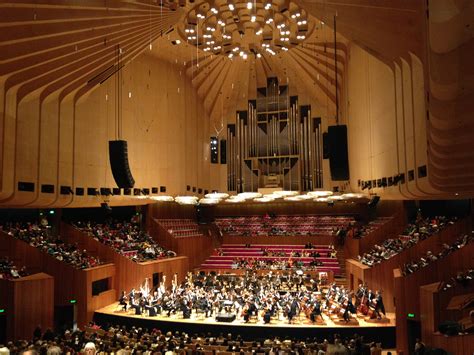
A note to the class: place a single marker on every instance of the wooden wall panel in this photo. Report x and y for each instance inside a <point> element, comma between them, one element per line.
<point>70,283</point>
<point>28,302</point>
<point>289,208</point>
<point>129,274</point>
<point>196,249</point>
<point>407,288</point>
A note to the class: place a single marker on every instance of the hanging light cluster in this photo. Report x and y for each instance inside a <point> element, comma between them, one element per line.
<point>238,28</point>
<point>292,196</point>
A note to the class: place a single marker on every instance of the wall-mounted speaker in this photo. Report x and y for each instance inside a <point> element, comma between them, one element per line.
<point>118,154</point>
<point>338,155</point>
<point>373,201</point>
<point>223,151</point>
<point>325,145</point>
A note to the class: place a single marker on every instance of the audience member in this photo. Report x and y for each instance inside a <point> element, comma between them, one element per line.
<point>127,239</point>
<point>39,237</point>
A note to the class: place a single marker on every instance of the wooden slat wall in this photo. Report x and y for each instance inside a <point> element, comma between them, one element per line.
<point>280,240</point>
<point>380,277</point>
<point>407,288</point>
<point>391,228</point>
<point>461,344</point>
<point>27,301</point>
<point>196,249</point>
<point>69,282</point>
<point>433,304</point>
<point>129,274</point>
<point>290,208</point>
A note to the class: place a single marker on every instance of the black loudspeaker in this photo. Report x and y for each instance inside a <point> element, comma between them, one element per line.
<point>228,318</point>
<point>449,328</point>
<point>118,154</point>
<point>373,201</point>
<point>325,145</point>
<point>338,156</point>
<point>214,150</point>
<point>223,151</point>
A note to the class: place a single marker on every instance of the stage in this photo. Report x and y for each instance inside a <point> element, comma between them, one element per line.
<point>379,331</point>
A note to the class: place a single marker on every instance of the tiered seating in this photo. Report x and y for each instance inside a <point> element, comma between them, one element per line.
<point>142,341</point>
<point>413,234</point>
<point>9,271</point>
<point>283,225</point>
<point>370,227</point>
<point>229,256</point>
<point>39,237</point>
<point>126,239</point>
<point>181,228</point>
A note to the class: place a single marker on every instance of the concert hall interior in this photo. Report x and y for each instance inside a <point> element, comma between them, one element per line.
<point>236,177</point>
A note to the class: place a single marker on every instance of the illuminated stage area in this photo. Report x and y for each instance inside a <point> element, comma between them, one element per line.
<point>302,328</point>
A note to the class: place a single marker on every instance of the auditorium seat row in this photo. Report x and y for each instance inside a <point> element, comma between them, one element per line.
<point>180,228</point>
<point>230,252</point>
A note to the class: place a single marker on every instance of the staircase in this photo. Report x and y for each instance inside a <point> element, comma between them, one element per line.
<point>341,278</point>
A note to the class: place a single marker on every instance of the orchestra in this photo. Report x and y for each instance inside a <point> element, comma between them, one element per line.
<point>251,296</point>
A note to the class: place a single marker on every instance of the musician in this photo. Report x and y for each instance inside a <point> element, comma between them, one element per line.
<point>294,309</point>
<point>123,300</point>
<point>349,310</point>
<point>379,306</point>
<point>316,311</point>
<point>136,303</point>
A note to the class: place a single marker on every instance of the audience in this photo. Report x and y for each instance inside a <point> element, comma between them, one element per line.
<point>8,270</point>
<point>39,237</point>
<point>120,340</point>
<point>284,225</point>
<point>424,261</point>
<point>420,230</point>
<point>274,264</point>
<point>462,278</point>
<point>126,239</point>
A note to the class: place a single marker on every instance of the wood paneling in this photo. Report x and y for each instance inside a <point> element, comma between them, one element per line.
<point>289,208</point>
<point>28,302</point>
<point>69,283</point>
<point>407,288</point>
<point>390,229</point>
<point>196,249</point>
<point>129,274</point>
<point>280,240</point>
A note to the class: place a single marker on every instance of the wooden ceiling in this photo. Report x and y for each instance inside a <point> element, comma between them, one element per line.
<point>55,48</point>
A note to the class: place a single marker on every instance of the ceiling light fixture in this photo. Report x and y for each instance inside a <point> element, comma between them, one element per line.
<point>258,26</point>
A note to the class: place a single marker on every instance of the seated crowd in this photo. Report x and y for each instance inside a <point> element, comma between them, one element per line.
<point>274,264</point>
<point>9,271</point>
<point>271,224</point>
<point>121,340</point>
<point>39,236</point>
<point>420,230</point>
<point>127,239</point>
<point>462,278</point>
<point>426,260</point>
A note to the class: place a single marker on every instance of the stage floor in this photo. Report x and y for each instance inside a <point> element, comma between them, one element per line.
<point>301,321</point>
<point>383,332</point>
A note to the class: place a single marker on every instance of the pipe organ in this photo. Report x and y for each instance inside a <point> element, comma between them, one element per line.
<point>274,143</point>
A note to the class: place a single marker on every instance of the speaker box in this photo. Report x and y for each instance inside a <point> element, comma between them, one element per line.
<point>118,154</point>
<point>449,328</point>
<point>338,155</point>
<point>223,151</point>
<point>373,201</point>
<point>325,145</point>
<point>228,318</point>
